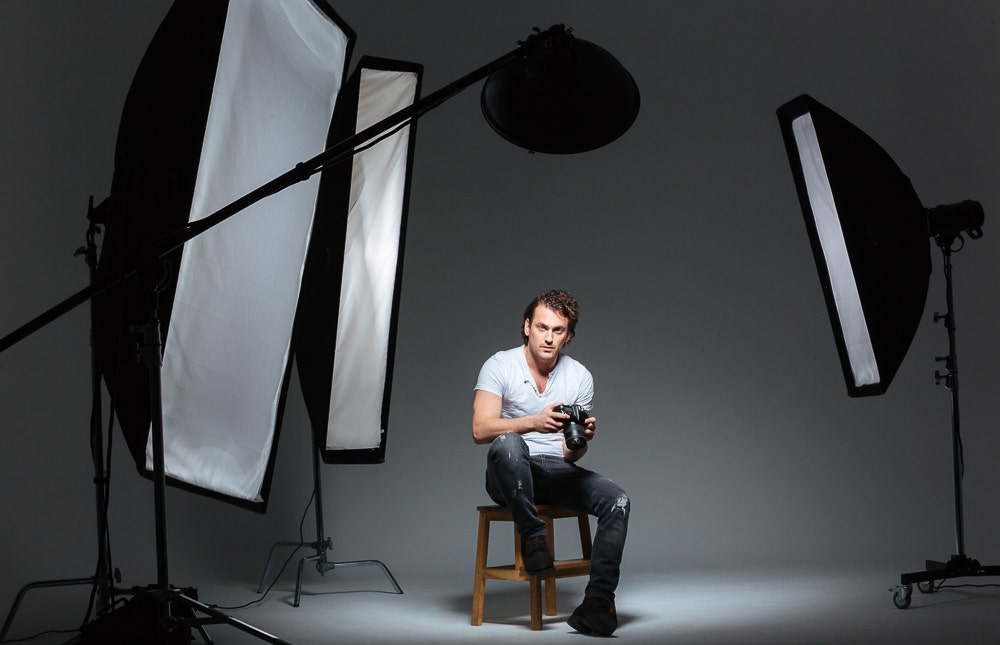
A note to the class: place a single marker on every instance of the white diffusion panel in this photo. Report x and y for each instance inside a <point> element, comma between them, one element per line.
<point>371,254</point>
<point>279,72</point>
<point>864,367</point>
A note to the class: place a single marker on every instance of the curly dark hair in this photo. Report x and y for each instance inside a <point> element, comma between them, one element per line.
<point>558,301</point>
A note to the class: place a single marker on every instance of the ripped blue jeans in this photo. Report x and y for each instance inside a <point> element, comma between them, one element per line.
<point>518,481</point>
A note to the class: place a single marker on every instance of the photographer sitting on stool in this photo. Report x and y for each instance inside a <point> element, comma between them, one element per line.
<point>517,409</point>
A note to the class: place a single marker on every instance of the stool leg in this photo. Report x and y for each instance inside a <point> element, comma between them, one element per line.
<point>517,572</point>
<point>586,544</point>
<point>518,554</point>
<point>550,597</point>
<point>536,602</point>
<point>550,583</point>
<point>479,584</point>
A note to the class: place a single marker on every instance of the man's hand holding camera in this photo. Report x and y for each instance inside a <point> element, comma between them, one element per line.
<point>576,424</point>
<point>558,418</point>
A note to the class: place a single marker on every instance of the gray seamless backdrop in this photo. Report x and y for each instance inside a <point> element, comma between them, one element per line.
<point>721,403</point>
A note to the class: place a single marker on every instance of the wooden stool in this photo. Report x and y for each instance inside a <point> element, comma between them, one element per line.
<point>563,568</point>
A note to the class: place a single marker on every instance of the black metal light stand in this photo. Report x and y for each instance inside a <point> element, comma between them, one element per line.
<point>170,602</point>
<point>320,546</point>
<point>101,581</point>
<point>959,565</point>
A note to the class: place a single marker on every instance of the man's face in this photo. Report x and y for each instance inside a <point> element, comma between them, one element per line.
<point>547,332</point>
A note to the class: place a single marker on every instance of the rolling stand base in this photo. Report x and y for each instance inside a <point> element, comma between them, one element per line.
<point>959,566</point>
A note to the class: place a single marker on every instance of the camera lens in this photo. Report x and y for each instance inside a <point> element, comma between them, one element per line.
<point>573,432</point>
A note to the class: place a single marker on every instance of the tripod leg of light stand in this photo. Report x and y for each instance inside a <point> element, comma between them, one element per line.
<point>323,565</point>
<point>37,585</point>
<point>363,563</point>
<point>321,545</point>
<point>960,565</point>
<point>217,617</point>
<point>270,559</point>
<point>298,576</point>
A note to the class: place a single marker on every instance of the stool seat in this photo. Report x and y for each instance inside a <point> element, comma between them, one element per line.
<point>563,568</point>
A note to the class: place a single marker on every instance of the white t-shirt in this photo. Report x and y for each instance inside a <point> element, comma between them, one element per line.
<point>506,374</point>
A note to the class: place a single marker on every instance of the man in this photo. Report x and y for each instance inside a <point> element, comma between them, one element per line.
<point>514,411</point>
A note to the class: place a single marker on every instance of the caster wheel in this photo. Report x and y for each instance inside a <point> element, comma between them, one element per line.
<point>927,586</point>
<point>902,595</point>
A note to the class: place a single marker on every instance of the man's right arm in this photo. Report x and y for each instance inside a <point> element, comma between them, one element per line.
<point>487,423</point>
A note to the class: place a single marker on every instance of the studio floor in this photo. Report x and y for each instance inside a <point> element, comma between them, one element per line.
<point>357,605</point>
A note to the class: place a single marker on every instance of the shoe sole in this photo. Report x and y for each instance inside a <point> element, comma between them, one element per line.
<point>579,625</point>
<point>582,626</point>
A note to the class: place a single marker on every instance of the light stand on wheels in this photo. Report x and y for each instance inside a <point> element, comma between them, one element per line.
<point>960,565</point>
<point>320,546</point>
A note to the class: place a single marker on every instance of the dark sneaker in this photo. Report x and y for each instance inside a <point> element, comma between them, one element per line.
<point>594,616</point>
<point>537,558</point>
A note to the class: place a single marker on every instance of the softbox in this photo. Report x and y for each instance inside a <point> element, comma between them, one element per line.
<point>869,236</point>
<point>228,95</point>
<point>345,334</point>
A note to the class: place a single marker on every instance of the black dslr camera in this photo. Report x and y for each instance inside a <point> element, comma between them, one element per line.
<point>573,430</point>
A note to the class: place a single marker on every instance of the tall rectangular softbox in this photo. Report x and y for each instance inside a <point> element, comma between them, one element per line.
<point>229,95</point>
<point>346,329</point>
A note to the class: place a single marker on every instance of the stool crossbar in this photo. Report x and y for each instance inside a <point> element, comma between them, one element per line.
<point>563,568</point>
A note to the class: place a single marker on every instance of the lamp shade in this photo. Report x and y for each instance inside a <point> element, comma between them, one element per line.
<point>564,95</point>
<point>869,236</point>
